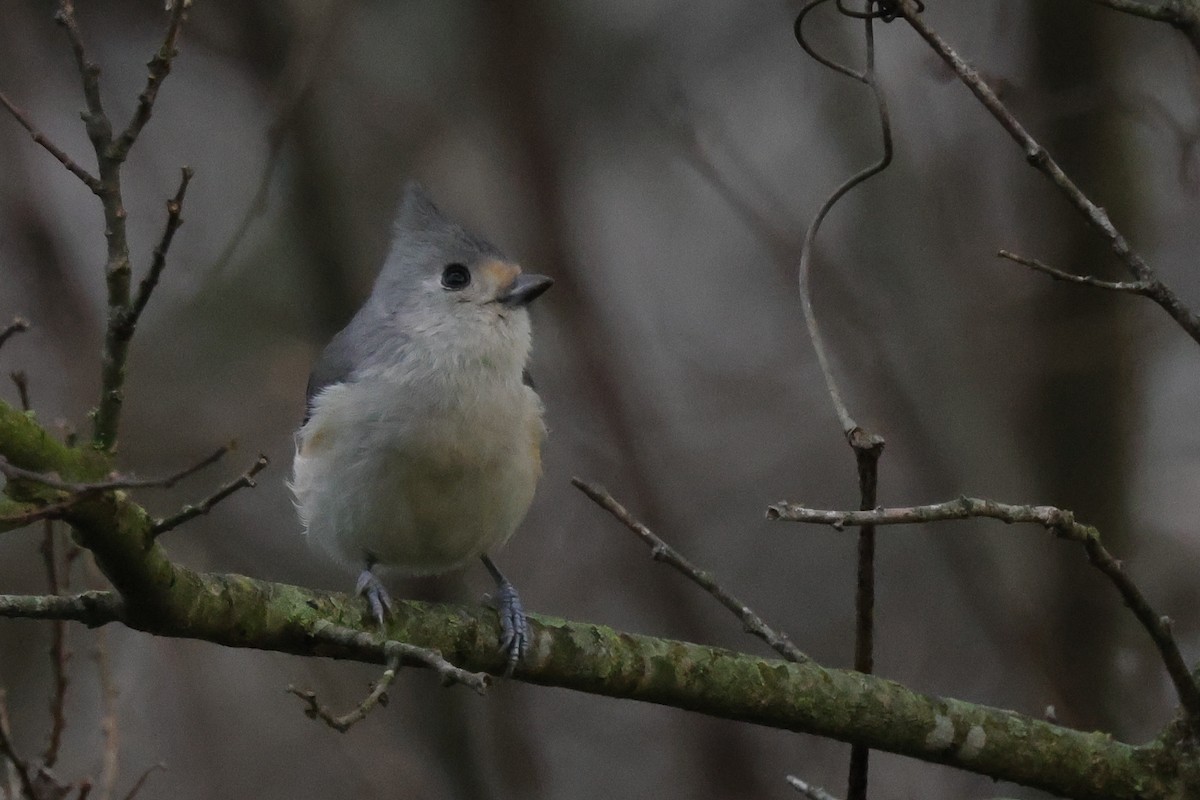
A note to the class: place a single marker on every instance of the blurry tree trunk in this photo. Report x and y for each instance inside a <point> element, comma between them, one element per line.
<point>1079,344</point>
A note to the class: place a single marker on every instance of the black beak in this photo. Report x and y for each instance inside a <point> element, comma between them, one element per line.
<point>524,290</point>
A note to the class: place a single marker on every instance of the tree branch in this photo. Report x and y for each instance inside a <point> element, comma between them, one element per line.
<point>1041,160</point>
<point>18,325</point>
<point>163,598</point>
<point>1058,521</point>
<point>344,722</point>
<point>190,512</point>
<point>866,77</point>
<point>110,155</point>
<point>808,790</point>
<point>89,180</point>
<point>13,472</point>
<point>661,551</point>
<point>159,67</point>
<point>159,262</point>
<point>1132,287</point>
<point>8,751</point>
<point>93,609</point>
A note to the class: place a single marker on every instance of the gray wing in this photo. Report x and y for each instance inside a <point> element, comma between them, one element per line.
<point>335,365</point>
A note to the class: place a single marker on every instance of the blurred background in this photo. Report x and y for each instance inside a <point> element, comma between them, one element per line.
<point>661,161</point>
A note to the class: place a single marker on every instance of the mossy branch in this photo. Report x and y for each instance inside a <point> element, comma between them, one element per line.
<point>157,596</point>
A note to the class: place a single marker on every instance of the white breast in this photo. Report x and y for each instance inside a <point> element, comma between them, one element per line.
<point>421,478</point>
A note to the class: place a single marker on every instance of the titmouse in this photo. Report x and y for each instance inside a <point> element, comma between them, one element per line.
<point>421,447</point>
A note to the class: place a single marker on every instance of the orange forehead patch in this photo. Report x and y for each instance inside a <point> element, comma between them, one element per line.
<point>498,273</point>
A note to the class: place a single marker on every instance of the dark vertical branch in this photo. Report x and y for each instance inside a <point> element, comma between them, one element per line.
<point>867,446</point>
<point>867,450</point>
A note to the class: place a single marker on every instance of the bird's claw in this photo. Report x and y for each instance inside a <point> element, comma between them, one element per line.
<point>377,596</point>
<point>514,639</point>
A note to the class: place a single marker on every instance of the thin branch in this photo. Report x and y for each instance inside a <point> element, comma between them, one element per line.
<point>1062,524</point>
<point>359,640</point>
<point>108,722</point>
<point>867,446</point>
<point>21,381</point>
<point>1132,287</point>
<point>159,262</point>
<point>867,450</point>
<point>1059,521</point>
<point>808,790</point>
<point>343,723</point>
<point>28,513</point>
<point>189,512</point>
<point>661,551</point>
<point>59,654</point>
<point>88,71</point>
<point>867,77</point>
<point>18,325</point>
<point>110,154</point>
<point>150,770</point>
<point>159,67</point>
<point>19,765</point>
<point>1040,159</point>
<point>91,608</point>
<point>89,180</point>
<point>53,482</point>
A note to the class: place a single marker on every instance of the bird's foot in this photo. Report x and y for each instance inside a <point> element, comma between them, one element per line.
<point>514,626</point>
<point>377,596</point>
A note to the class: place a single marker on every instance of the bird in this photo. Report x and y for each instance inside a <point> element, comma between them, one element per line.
<point>420,449</point>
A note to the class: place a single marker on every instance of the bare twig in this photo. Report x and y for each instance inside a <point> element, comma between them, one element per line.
<point>78,492</point>
<point>867,450</point>
<point>141,781</point>
<point>159,262</point>
<point>358,640</point>
<point>867,446</point>
<point>1062,524</point>
<point>89,180</point>
<point>1040,159</point>
<point>661,551</point>
<point>868,78</point>
<point>53,482</point>
<point>108,722</point>
<point>808,790</point>
<point>21,381</point>
<point>189,512</point>
<point>19,765</point>
<point>345,722</point>
<point>1133,287</point>
<point>159,67</point>
<point>59,654</point>
<point>32,512</point>
<point>18,325</point>
<point>110,155</point>
<point>1059,521</point>
<point>91,608</point>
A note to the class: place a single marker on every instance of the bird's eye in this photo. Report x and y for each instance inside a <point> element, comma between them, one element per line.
<point>455,277</point>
